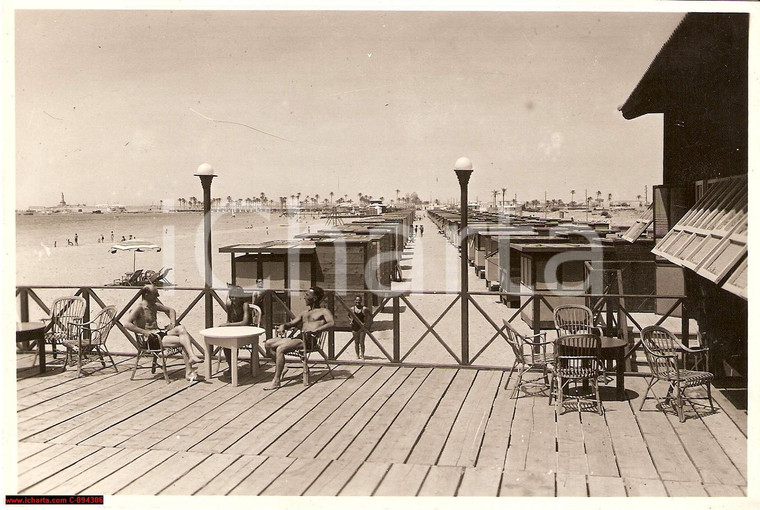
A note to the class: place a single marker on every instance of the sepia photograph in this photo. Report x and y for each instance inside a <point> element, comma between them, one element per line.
<point>575,323</point>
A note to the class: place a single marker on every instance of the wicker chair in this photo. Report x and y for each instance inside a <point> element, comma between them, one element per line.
<point>91,337</point>
<point>662,350</point>
<point>530,353</point>
<point>157,350</point>
<point>64,314</point>
<point>304,352</point>
<point>572,319</point>
<point>578,358</point>
<point>255,321</point>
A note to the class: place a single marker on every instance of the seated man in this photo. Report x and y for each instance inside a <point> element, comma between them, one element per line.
<point>311,322</point>
<point>238,313</point>
<point>143,319</point>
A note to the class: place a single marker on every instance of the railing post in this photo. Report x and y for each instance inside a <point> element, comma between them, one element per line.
<point>331,331</point>
<point>396,329</point>
<point>608,326</point>
<point>684,323</point>
<point>24,296</point>
<point>536,313</point>
<point>268,323</point>
<point>86,295</point>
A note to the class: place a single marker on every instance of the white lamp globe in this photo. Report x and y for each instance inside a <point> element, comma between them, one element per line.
<point>463,163</point>
<point>205,169</point>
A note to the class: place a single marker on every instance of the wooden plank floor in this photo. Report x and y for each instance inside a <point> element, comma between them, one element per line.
<point>370,430</point>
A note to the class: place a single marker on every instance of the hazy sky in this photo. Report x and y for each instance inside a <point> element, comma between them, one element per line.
<point>116,106</point>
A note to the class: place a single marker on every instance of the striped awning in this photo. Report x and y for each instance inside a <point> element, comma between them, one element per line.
<point>711,238</point>
<point>641,225</point>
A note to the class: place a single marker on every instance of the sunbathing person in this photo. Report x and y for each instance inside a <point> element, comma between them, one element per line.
<point>143,319</point>
<point>311,323</point>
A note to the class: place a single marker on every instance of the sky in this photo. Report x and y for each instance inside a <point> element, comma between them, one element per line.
<point>123,106</point>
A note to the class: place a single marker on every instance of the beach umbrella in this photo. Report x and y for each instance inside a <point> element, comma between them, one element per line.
<point>134,245</point>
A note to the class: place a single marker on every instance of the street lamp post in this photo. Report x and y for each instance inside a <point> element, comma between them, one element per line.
<point>206,174</point>
<point>463,169</point>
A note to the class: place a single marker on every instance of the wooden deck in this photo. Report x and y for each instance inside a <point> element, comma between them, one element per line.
<point>372,430</point>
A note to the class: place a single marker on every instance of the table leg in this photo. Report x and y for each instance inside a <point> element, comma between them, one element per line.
<point>255,357</point>
<point>207,358</point>
<point>620,376</point>
<point>234,366</point>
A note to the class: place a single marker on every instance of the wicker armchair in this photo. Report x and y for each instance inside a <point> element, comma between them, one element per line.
<point>662,350</point>
<point>64,314</point>
<point>578,358</point>
<point>307,348</point>
<point>572,319</point>
<point>530,353</point>
<point>91,337</point>
<point>155,348</point>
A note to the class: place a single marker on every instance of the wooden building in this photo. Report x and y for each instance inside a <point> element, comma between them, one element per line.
<point>699,82</point>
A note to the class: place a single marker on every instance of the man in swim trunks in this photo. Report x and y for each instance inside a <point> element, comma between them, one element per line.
<point>311,323</point>
<point>143,319</point>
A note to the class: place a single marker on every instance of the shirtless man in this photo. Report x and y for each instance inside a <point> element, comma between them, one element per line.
<point>311,322</point>
<point>143,319</point>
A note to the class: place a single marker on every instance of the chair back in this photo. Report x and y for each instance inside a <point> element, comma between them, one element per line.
<point>572,319</point>
<point>101,325</point>
<point>135,278</point>
<point>579,354</point>
<point>515,341</point>
<point>661,350</point>
<point>255,314</point>
<point>65,312</point>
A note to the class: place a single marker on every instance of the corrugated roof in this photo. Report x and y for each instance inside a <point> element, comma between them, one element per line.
<point>684,68</point>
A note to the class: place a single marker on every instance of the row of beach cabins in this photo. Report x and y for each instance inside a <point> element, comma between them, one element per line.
<point>511,254</point>
<point>357,257</point>
<point>508,252</point>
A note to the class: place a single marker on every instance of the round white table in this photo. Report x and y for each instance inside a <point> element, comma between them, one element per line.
<point>233,338</point>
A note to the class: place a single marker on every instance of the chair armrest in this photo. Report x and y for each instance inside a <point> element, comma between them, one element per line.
<point>694,350</point>
<point>535,343</point>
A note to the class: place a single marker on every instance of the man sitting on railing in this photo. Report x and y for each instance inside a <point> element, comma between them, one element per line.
<point>311,323</point>
<point>142,319</point>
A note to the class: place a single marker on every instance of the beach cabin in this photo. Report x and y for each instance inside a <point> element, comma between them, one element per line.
<point>282,265</point>
<point>536,275</point>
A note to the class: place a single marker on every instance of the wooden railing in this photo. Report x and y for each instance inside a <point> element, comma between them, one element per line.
<point>399,340</point>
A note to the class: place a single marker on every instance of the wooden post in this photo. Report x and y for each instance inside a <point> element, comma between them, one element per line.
<point>86,295</point>
<point>268,324</point>
<point>24,296</point>
<point>396,329</point>
<point>684,323</point>
<point>331,332</point>
<point>536,312</point>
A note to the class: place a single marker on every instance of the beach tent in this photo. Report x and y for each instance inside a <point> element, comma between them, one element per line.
<point>134,245</point>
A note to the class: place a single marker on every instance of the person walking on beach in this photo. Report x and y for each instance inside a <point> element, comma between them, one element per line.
<point>143,319</point>
<point>311,322</point>
<point>111,235</point>
<point>76,239</point>
<point>238,314</point>
<point>422,230</point>
<point>361,315</point>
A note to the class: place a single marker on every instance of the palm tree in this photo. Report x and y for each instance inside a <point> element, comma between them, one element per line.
<point>331,197</point>
<point>598,196</point>
<point>397,192</point>
<point>609,199</point>
<point>572,197</point>
<point>638,197</point>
